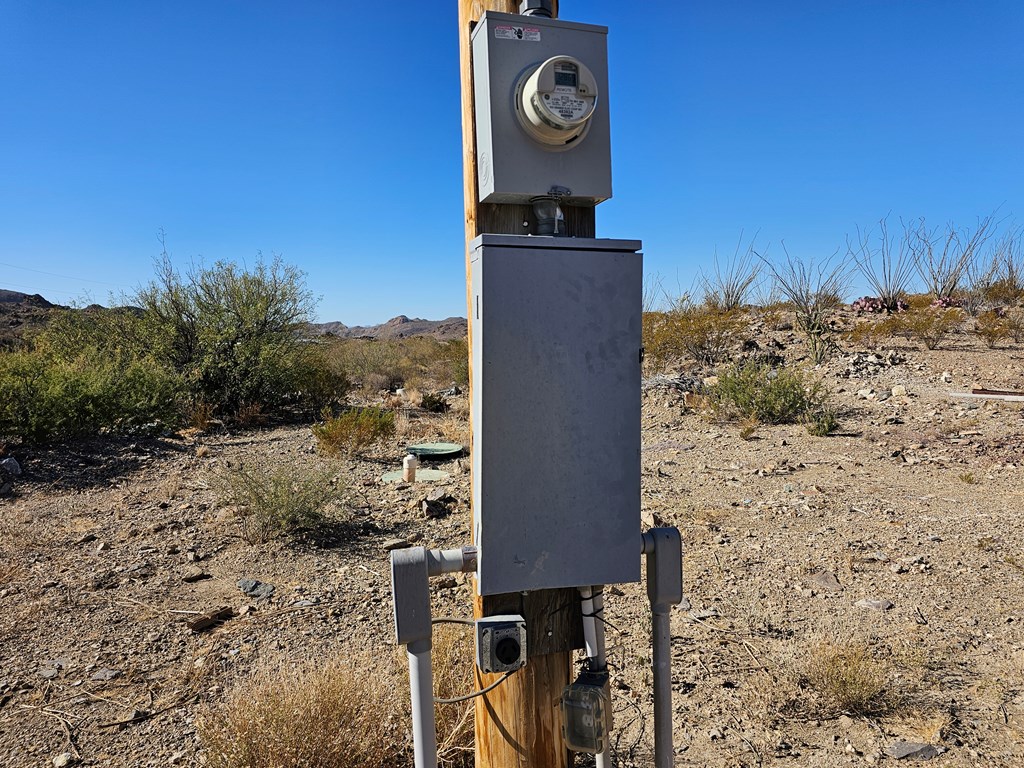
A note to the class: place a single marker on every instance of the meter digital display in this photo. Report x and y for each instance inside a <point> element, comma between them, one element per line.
<point>565,77</point>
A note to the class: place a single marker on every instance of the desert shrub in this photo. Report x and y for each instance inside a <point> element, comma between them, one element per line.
<point>232,333</point>
<point>730,282</point>
<point>848,679</point>
<point>386,364</point>
<point>993,326</point>
<point>1005,292</point>
<point>887,264</point>
<point>815,292</point>
<point>943,258</point>
<point>272,501</point>
<point>46,396</point>
<point>330,715</point>
<point>336,714</point>
<point>354,430</point>
<point>929,326</point>
<point>770,395</point>
<point>702,333</point>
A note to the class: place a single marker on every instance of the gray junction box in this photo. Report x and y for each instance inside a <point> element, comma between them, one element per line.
<point>512,165</point>
<point>556,411</point>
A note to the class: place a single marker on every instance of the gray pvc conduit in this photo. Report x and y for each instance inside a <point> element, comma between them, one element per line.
<point>421,683</point>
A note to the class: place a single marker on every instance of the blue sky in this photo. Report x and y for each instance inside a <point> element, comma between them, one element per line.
<point>331,136</point>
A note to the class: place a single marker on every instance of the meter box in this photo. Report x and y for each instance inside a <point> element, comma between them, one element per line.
<point>541,90</point>
<point>556,411</point>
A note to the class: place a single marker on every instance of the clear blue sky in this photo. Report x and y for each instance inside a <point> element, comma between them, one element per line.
<point>329,133</point>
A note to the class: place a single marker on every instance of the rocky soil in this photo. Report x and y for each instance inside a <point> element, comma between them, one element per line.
<point>901,536</point>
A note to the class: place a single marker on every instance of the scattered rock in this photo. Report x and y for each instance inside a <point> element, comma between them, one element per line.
<point>11,466</point>
<point>915,750</point>
<point>211,619</point>
<point>256,588</point>
<point>63,760</point>
<point>433,509</point>
<point>899,391</point>
<point>874,605</point>
<point>104,674</point>
<point>195,574</point>
<point>391,544</point>
<point>826,581</point>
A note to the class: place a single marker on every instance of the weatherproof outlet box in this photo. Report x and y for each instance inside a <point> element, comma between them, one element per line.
<point>555,411</point>
<point>512,164</point>
<point>500,643</point>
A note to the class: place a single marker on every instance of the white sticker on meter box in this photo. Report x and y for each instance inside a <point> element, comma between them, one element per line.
<point>508,32</point>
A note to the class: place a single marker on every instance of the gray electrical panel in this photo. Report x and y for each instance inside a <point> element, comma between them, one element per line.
<point>513,164</point>
<point>555,411</point>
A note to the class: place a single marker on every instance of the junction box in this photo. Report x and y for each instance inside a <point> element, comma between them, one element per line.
<point>555,411</point>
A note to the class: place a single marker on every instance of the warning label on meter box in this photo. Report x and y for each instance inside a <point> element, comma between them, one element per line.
<point>509,32</point>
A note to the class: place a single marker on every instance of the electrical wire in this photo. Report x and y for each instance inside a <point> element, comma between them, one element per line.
<point>482,691</point>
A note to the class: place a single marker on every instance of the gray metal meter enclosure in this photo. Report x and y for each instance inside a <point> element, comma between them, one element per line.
<point>519,158</point>
<point>556,411</point>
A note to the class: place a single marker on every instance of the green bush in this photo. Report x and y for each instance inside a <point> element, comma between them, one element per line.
<point>46,397</point>
<point>773,396</point>
<point>702,333</point>
<point>354,430</point>
<point>272,501</point>
<point>234,334</point>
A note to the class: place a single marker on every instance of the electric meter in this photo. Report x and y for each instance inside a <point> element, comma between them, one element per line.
<point>556,100</point>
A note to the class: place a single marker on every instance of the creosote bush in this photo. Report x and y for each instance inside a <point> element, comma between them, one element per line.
<point>773,396</point>
<point>273,501</point>
<point>929,325</point>
<point>701,333</point>
<point>354,430</point>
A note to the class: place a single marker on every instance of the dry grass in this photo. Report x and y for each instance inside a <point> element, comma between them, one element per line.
<point>338,713</point>
<point>847,679</point>
<point>277,500</point>
<point>351,713</point>
<point>354,430</point>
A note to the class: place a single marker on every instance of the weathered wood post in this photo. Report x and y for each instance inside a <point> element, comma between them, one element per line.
<point>517,724</point>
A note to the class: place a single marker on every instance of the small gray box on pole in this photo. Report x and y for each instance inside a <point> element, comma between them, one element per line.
<point>556,411</point>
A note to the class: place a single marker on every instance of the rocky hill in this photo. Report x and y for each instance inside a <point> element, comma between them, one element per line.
<point>20,311</point>
<point>397,328</point>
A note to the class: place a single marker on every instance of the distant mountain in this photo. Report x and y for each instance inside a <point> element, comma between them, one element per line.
<point>18,309</point>
<point>397,328</point>
<point>16,297</point>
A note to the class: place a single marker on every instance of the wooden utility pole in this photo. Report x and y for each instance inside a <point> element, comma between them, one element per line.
<point>518,725</point>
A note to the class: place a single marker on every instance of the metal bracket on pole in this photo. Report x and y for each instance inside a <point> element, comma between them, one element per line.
<point>411,570</point>
<point>664,550</point>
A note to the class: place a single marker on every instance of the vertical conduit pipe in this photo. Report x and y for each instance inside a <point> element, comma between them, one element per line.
<point>421,682</point>
<point>593,637</point>
<point>664,550</point>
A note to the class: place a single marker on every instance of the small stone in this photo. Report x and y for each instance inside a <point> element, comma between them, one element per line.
<point>87,538</point>
<point>104,674</point>
<point>6,489</point>
<point>11,466</point>
<point>912,749</point>
<point>874,605</point>
<point>63,760</point>
<point>714,734</point>
<point>899,391</point>
<point>256,588</point>
<point>48,673</point>
<point>947,376</point>
<point>826,581</point>
<point>433,509</point>
<point>392,544</point>
<point>102,546</point>
<point>194,574</point>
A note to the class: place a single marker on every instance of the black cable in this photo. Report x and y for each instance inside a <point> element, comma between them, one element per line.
<point>452,620</point>
<point>481,692</point>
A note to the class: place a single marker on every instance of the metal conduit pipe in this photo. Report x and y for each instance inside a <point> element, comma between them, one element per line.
<point>664,550</point>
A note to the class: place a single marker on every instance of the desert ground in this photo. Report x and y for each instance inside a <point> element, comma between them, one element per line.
<point>848,598</point>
